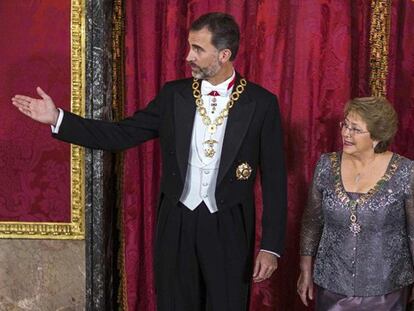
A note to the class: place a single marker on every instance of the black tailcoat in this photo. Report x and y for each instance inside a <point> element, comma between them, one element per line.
<point>253,135</point>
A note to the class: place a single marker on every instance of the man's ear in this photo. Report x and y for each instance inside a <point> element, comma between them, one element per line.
<point>224,56</point>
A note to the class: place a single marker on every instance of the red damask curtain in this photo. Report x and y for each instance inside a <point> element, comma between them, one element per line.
<point>400,82</point>
<point>313,54</point>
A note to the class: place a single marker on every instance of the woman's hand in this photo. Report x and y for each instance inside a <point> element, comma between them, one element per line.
<point>305,282</point>
<point>305,287</point>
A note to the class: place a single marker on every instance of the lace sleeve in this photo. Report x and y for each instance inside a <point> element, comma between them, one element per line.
<point>409,211</point>
<point>312,219</point>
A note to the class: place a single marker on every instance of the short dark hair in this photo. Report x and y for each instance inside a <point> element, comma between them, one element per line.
<point>380,117</point>
<point>224,29</point>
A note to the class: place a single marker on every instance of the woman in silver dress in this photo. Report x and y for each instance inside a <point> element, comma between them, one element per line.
<point>358,225</point>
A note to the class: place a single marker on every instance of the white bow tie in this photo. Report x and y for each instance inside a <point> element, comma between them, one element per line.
<point>207,88</point>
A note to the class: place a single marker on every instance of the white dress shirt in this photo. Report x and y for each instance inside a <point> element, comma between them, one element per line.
<point>55,129</point>
<point>202,171</point>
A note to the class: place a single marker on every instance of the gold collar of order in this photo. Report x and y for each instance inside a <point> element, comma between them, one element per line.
<point>209,150</point>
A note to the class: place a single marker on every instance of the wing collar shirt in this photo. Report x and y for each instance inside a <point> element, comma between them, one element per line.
<point>202,171</point>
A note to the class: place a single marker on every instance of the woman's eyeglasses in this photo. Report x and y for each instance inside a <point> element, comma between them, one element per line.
<point>352,130</point>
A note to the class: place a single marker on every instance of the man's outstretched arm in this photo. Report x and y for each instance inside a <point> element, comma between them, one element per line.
<point>96,134</point>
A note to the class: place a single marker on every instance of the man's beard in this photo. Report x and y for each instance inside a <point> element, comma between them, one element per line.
<point>206,72</point>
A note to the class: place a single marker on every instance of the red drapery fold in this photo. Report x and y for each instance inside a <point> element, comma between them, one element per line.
<point>313,54</point>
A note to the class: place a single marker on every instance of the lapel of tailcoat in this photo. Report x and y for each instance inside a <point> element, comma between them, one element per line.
<point>184,112</point>
<point>237,125</point>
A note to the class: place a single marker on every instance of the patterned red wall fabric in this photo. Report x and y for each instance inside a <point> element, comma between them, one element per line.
<point>35,169</point>
<point>314,54</point>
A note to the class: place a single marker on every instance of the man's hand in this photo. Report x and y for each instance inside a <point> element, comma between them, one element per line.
<point>265,265</point>
<point>42,110</point>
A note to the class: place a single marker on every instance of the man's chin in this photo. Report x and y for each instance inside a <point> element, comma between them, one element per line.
<point>197,74</point>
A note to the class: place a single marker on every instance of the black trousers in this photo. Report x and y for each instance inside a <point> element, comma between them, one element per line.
<point>202,260</point>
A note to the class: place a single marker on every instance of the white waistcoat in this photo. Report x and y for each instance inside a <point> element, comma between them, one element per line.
<point>202,171</point>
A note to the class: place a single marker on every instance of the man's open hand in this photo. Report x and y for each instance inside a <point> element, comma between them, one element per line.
<point>42,110</point>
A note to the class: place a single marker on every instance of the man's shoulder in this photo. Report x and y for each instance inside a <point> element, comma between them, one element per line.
<point>178,84</point>
<point>259,91</point>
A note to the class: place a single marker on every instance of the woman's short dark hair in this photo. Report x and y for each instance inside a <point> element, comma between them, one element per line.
<point>224,29</point>
<point>380,117</point>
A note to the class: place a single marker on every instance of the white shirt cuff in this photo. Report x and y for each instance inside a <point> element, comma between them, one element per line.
<point>276,254</point>
<point>55,129</point>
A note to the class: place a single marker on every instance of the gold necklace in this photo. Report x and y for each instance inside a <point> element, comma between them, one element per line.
<point>212,125</point>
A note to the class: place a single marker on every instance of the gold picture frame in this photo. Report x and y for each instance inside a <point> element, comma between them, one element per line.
<point>75,229</point>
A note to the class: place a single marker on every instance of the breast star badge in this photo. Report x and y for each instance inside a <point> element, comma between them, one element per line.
<point>243,171</point>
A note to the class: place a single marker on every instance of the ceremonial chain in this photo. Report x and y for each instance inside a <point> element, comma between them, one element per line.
<point>212,125</point>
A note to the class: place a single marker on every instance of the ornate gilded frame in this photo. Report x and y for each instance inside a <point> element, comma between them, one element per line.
<point>75,229</point>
